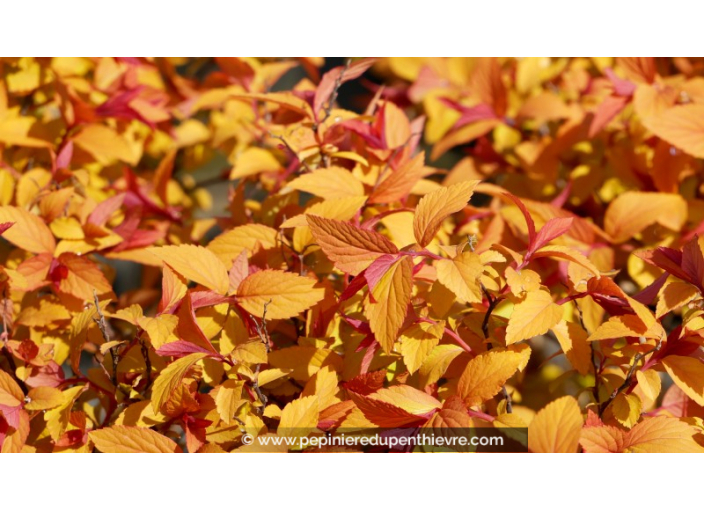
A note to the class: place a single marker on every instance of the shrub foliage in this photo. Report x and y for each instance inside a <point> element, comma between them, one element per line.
<point>195,249</point>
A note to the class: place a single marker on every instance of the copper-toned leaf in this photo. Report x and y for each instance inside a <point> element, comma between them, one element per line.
<point>435,207</point>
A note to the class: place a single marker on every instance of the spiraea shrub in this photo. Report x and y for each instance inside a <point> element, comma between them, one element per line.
<point>198,249</point>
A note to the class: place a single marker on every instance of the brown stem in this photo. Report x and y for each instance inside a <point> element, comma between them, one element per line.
<point>493,302</point>
<point>102,324</point>
<point>628,381</point>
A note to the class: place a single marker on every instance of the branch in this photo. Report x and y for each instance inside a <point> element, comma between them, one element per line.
<point>493,302</point>
<point>628,381</point>
<point>102,324</point>
<point>335,90</point>
<point>263,334</point>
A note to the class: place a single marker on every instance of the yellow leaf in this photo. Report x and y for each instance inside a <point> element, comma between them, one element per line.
<point>407,398</point>
<point>688,375</point>
<point>556,428</point>
<point>161,329</point>
<point>533,316</point>
<point>299,418</point>
<point>126,439</point>
<point>195,263</point>
<point>57,419</point>
<point>522,281</point>
<point>649,383</point>
<point>105,145</point>
<point>42,398</point>
<point>435,365</point>
<point>169,379</point>
<point>303,361</point>
<point>14,129</point>
<point>324,385</point>
<point>228,399</point>
<point>626,409</point>
<point>250,352</point>
<point>631,212</point>
<point>29,232</point>
<point>252,161</point>
<point>281,294</point>
<point>351,248</point>
<point>329,183</point>
<point>337,208</point>
<point>573,340</point>
<point>662,435</point>
<point>486,374</point>
<point>435,207</point>
<point>10,393</point>
<point>461,276</point>
<point>67,228</point>
<point>418,341</point>
<point>229,245</point>
<point>674,295</point>
<point>618,327</point>
<point>391,297</point>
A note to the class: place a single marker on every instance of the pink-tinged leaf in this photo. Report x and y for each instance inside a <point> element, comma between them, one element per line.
<point>553,229</point>
<point>357,284</point>
<point>188,327</point>
<point>378,268</point>
<point>204,298</point>
<point>369,355</point>
<point>63,160</point>
<point>181,348</point>
<point>105,209</point>
<point>605,113</point>
<point>469,114</point>
<point>338,76</point>
<point>666,259</point>
<point>622,87</point>
<point>5,226</point>
<point>238,272</point>
<point>526,215</point>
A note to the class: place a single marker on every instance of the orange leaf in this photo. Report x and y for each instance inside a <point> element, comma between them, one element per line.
<point>281,294</point>
<point>391,297</point>
<point>461,276</point>
<point>29,231</point>
<point>332,182</point>
<point>533,316</point>
<point>10,393</point>
<point>662,435</point>
<point>399,183</point>
<point>633,211</point>
<point>683,127</point>
<point>556,428</point>
<point>688,375</point>
<point>435,207</point>
<point>169,379</point>
<point>573,340</point>
<point>351,248</point>
<point>299,418</point>
<point>486,374</point>
<point>195,263</point>
<point>126,439</point>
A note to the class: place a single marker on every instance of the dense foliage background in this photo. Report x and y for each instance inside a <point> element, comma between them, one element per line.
<point>198,249</point>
